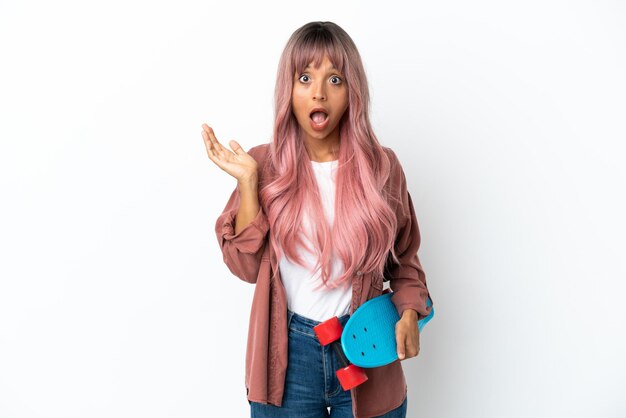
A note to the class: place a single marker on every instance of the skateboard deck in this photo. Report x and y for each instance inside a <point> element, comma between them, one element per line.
<point>369,337</point>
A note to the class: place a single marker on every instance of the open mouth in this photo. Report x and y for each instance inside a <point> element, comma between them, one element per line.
<point>318,117</point>
<point>319,120</point>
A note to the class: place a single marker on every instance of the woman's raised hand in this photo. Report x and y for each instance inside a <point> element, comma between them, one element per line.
<point>238,164</point>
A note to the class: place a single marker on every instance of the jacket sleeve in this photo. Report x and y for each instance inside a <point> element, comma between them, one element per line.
<point>243,251</point>
<point>407,280</point>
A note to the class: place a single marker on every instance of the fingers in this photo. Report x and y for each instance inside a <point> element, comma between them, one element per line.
<point>400,343</point>
<point>411,350</point>
<point>407,343</point>
<point>236,147</point>
<point>214,148</point>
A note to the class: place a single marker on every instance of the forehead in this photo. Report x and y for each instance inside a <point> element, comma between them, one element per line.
<point>332,67</point>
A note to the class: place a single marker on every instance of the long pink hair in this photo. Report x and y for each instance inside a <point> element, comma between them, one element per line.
<point>363,231</point>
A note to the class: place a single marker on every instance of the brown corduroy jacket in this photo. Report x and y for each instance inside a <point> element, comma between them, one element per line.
<point>249,256</point>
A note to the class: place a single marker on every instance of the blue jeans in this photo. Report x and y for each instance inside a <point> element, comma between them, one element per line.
<point>311,386</point>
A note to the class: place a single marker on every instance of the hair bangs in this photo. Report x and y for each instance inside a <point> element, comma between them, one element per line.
<point>312,50</point>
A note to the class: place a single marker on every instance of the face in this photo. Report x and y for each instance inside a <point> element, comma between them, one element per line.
<point>325,88</point>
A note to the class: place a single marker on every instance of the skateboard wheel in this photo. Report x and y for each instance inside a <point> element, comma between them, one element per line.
<point>328,331</point>
<point>351,376</point>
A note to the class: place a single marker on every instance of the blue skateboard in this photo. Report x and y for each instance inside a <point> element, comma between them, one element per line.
<point>368,339</point>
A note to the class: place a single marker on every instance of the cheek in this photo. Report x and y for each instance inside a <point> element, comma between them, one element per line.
<point>298,103</point>
<point>343,100</point>
<point>344,107</point>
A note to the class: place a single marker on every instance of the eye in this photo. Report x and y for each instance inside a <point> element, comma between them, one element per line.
<point>339,80</point>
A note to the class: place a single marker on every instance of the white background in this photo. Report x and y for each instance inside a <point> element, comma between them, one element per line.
<point>508,117</point>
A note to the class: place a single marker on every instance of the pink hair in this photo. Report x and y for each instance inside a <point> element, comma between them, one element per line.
<point>363,232</point>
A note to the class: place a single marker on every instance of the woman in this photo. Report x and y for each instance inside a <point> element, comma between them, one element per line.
<point>320,217</point>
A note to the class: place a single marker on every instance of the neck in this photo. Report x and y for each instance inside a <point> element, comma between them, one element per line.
<point>322,150</point>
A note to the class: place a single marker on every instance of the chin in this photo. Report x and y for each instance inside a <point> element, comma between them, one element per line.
<point>320,135</point>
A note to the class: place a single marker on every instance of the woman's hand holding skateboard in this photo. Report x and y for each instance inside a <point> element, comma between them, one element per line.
<point>375,335</point>
<point>407,335</point>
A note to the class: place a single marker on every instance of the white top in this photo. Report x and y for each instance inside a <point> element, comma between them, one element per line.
<point>300,283</point>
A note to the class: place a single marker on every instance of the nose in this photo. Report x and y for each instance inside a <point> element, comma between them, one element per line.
<point>318,92</point>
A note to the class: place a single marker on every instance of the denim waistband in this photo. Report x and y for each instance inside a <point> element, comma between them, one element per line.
<point>305,325</point>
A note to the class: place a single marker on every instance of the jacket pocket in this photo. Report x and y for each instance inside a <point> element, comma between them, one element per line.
<point>376,287</point>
